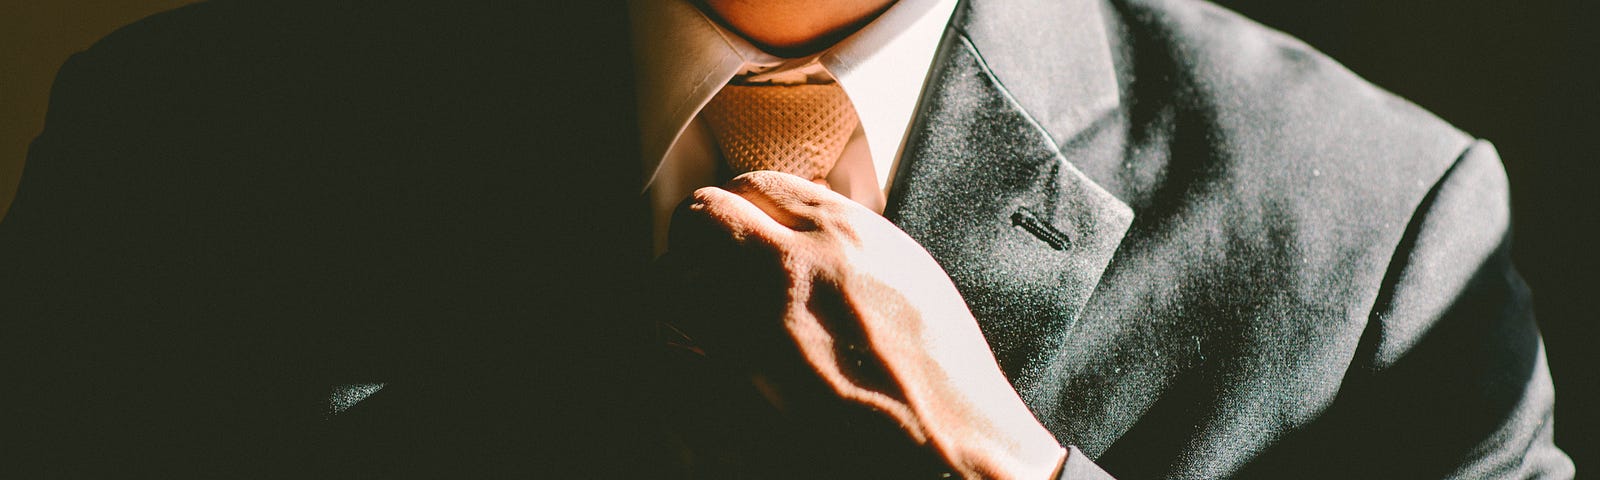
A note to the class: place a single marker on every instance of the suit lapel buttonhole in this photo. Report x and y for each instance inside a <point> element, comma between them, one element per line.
<point>1029,221</point>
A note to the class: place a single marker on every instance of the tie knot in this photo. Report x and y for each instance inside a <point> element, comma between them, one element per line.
<point>796,129</point>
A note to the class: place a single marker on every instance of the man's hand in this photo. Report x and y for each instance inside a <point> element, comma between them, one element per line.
<point>869,313</point>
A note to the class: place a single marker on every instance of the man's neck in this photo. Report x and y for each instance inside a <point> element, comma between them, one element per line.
<point>794,28</point>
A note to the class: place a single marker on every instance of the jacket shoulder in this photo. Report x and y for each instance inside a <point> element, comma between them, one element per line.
<point>1267,95</point>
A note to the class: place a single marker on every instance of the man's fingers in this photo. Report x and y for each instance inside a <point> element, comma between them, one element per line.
<point>736,215</point>
<point>789,199</point>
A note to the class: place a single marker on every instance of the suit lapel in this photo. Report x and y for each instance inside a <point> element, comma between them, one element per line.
<point>985,188</point>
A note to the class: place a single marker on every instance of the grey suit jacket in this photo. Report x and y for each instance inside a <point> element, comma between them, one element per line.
<point>1198,247</point>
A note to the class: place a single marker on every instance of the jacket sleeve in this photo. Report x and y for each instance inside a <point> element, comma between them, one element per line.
<point>1457,325</point>
<point>1449,378</point>
<point>1452,348</point>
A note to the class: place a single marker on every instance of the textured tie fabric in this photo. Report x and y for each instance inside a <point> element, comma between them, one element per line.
<point>796,129</point>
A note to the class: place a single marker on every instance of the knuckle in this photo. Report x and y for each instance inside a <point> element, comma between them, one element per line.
<point>846,233</point>
<point>738,183</point>
<point>764,181</point>
<point>849,225</point>
<point>768,181</point>
<point>835,211</point>
<point>766,176</point>
<point>704,195</point>
<point>757,180</point>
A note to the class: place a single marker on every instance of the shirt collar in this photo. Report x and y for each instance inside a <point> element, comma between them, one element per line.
<point>682,59</point>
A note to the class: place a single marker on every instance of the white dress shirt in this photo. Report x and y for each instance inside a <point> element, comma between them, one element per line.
<point>682,59</point>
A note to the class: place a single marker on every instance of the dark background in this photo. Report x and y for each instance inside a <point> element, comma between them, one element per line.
<point>1520,74</point>
<point>35,37</point>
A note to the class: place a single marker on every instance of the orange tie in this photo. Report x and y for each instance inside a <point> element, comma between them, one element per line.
<point>796,129</point>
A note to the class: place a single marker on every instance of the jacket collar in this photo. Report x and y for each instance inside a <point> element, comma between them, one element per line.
<point>1053,57</point>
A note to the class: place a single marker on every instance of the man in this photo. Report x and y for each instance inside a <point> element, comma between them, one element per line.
<point>1193,248</point>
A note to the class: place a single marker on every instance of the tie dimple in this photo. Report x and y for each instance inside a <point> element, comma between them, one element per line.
<point>796,129</point>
